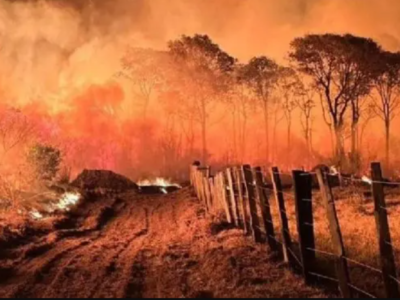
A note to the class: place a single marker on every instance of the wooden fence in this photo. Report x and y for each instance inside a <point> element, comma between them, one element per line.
<point>242,193</point>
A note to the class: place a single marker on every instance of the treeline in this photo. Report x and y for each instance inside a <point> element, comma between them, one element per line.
<point>352,79</point>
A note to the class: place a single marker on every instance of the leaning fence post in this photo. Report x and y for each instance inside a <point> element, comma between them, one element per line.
<point>305,223</point>
<point>232,197</point>
<point>388,264</point>
<point>212,199</point>
<point>280,200</point>
<point>254,221</point>
<point>263,201</point>
<point>342,270</point>
<point>206,193</point>
<point>241,200</point>
<point>225,198</point>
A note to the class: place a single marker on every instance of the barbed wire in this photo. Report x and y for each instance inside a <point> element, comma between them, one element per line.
<point>362,264</point>
<point>361,291</point>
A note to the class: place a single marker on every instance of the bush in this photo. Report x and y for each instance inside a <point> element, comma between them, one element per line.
<point>45,161</point>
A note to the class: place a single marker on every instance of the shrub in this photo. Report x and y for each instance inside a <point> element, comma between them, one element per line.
<point>45,161</point>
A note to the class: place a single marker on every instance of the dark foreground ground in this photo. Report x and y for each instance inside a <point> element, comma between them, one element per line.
<point>138,246</point>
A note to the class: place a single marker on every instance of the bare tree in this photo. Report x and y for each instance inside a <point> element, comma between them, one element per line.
<point>201,69</point>
<point>337,64</point>
<point>290,89</point>
<point>387,85</point>
<point>306,105</point>
<point>145,68</point>
<point>260,74</point>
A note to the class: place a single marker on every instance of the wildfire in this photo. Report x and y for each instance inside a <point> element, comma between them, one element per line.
<point>366,180</point>
<point>65,202</point>
<point>158,182</point>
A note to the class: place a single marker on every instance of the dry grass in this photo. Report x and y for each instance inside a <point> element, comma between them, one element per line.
<point>358,229</point>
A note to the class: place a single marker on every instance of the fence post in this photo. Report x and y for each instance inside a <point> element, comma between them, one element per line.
<point>305,224</point>
<point>232,197</point>
<point>280,200</point>
<point>385,245</point>
<point>254,221</point>
<point>265,208</point>
<point>241,200</point>
<point>206,193</point>
<point>225,201</point>
<point>342,270</point>
<point>212,199</point>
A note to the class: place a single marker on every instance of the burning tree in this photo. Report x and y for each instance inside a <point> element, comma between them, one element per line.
<point>340,66</point>
<point>201,76</point>
<point>260,74</point>
<point>387,85</point>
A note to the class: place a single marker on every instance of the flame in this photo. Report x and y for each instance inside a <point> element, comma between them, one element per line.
<point>367,180</point>
<point>36,215</point>
<point>65,202</point>
<point>158,182</point>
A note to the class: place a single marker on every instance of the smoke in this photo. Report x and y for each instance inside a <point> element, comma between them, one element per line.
<point>53,51</point>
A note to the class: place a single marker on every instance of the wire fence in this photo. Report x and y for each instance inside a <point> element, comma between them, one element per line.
<point>241,186</point>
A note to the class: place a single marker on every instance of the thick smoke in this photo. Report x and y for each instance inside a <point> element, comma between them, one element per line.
<point>53,51</point>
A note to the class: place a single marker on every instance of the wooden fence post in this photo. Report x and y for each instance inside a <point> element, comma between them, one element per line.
<point>254,221</point>
<point>225,198</point>
<point>305,223</point>
<point>212,199</point>
<point>232,197</point>
<point>280,200</point>
<point>241,200</point>
<point>206,189</point>
<point>382,224</point>
<point>263,201</point>
<point>342,270</point>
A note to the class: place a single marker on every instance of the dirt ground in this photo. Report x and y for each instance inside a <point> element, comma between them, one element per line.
<point>136,246</point>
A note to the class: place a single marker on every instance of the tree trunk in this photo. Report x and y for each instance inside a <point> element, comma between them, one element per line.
<point>289,141</point>
<point>387,136</point>
<point>266,120</point>
<point>204,132</point>
<point>354,147</point>
<point>340,152</point>
<point>235,135</point>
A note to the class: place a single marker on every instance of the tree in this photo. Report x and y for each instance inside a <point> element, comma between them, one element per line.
<point>387,85</point>
<point>260,75</point>
<point>202,68</point>
<point>290,89</point>
<point>145,68</point>
<point>340,66</point>
<point>306,105</point>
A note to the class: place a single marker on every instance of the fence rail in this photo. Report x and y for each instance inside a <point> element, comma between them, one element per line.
<point>242,193</point>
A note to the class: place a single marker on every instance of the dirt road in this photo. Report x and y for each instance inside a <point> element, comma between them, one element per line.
<point>138,246</point>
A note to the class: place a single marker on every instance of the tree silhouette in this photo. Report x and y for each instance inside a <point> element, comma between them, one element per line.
<point>340,68</point>
<point>387,85</point>
<point>261,74</point>
<point>201,67</point>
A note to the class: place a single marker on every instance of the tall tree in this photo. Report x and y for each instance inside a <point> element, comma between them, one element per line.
<point>202,68</point>
<point>290,89</point>
<point>339,66</point>
<point>260,74</point>
<point>145,68</point>
<point>387,85</point>
<point>306,105</point>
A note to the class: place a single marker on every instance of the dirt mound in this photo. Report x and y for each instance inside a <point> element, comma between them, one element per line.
<point>95,179</point>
